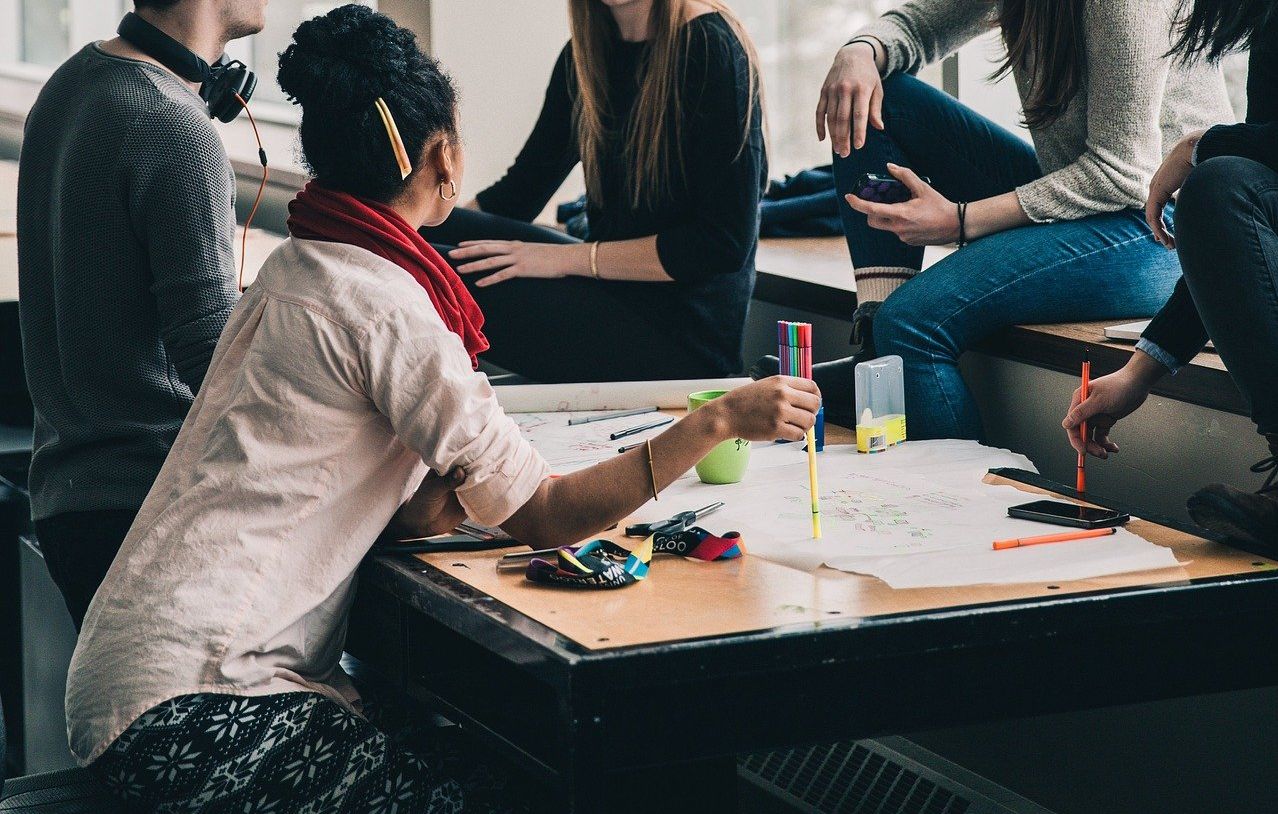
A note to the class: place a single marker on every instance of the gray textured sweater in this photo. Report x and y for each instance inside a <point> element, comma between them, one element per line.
<point>125,274</point>
<point>1133,108</point>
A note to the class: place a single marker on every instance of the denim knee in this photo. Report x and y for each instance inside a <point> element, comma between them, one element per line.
<point>901,330</point>
<point>1216,206</point>
<point>1217,193</point>
<point>903,92</point>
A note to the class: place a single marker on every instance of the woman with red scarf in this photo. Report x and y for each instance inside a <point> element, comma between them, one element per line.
<point>342,400</point>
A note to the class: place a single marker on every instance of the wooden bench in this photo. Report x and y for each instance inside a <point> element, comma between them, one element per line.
<point>814,274</point>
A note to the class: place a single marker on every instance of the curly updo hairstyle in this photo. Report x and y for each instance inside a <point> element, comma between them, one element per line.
<point>335,68</point>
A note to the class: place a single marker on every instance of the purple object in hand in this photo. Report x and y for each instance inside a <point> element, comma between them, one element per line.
<point>882,189</point>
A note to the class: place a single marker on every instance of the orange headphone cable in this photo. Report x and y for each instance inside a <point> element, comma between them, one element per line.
<point>266,173</point>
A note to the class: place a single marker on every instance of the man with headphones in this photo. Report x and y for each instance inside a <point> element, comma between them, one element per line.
<point>125,266</point>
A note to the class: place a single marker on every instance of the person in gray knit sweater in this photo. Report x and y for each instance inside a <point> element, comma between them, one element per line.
<point>126,277</point>
<point>1048,232</point>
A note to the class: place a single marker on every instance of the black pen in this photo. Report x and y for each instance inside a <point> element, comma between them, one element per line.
<point>629,447</point>
<point>626,433</point>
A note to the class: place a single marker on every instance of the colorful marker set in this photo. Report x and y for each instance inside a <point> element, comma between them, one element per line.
<point>794,348</point>
<point>794,345</point>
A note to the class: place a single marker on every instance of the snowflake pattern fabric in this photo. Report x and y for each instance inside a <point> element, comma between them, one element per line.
<point>293,752</point>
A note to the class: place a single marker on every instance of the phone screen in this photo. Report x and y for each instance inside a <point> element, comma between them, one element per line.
<point>1071,514</point>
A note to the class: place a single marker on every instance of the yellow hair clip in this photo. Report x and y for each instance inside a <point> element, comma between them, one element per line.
<point>397,143</point>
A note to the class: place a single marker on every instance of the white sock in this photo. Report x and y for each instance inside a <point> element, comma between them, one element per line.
<point>875,283</point>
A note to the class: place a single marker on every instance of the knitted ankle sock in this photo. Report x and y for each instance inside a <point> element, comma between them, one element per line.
<point>875,283</point>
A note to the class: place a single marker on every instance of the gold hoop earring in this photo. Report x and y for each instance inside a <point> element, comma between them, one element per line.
<point>452,185</point>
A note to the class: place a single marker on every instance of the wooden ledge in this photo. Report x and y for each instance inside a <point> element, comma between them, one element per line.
<point>1204,381</point>
<point>814,274</point>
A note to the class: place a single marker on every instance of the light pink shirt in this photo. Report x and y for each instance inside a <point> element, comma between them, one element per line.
<point>333,388</point>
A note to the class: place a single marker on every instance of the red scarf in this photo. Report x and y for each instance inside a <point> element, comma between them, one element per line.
<point>339,217</point>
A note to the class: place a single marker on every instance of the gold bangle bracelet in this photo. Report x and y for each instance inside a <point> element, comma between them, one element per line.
<point>652,472</point>
<point>594,260</point>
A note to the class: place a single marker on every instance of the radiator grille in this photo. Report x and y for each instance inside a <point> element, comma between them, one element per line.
<point>851,779</point>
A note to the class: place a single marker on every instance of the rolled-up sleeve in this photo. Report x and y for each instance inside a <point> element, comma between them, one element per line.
<point>1176,334</point>
<point>418,375</point>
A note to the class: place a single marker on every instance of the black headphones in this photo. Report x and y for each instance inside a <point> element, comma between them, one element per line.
<point>219,83</point>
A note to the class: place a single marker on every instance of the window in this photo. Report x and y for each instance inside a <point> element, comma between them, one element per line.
<point>37,34</point>
<point>282,19</point>
<point>45,31</point>
<point>796,40</point>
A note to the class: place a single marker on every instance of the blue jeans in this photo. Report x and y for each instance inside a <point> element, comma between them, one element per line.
<point>1102,267</point>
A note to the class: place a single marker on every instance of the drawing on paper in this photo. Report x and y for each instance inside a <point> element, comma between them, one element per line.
<point>568,449</point>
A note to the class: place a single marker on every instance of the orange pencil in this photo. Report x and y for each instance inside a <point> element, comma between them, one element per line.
<point>1081,486</point>
<point>1017,542</point>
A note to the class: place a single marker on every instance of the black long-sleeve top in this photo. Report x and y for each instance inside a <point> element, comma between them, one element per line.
<point>1177,331</point>
<point>707,226</point>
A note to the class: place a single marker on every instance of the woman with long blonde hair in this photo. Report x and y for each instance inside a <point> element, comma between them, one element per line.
<point>659,102</point>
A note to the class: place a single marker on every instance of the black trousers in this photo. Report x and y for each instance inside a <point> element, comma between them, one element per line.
<point>571,329</point>
<point>1226,216</point>
<point>78,548</point>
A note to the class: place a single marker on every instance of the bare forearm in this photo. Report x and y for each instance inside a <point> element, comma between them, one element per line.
<point>569,509</point>
<point>635,260</point>
<point>992,215</point>
<point>1144,370</point>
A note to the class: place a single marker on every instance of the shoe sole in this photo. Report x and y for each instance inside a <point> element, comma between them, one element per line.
<point>1219,515</point>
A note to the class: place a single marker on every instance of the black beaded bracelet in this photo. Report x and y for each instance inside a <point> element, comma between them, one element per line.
<point>962,217</point>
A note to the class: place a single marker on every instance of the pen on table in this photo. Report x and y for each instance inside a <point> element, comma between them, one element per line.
<point>627,433</point>
<point>572,422</point>
<point>1065,537</point>
<point>679,522</point>
<point>629,447</point>
<point>1081,485</point>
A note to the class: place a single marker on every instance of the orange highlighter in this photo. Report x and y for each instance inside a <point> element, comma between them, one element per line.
<point>1065,537</point>
<point>1081,486</point>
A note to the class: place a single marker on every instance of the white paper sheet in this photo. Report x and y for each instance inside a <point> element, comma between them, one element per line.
<point>568,449</point>
<point>915,516</point>
<point>668,395</point>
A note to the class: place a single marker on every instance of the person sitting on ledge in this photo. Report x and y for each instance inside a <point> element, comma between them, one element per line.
<point>1225,182</point>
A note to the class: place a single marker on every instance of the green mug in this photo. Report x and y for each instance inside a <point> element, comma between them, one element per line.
<point>728,461</point>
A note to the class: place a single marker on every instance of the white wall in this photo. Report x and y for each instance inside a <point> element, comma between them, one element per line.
<point>996,101</point>
<point>500,53</point>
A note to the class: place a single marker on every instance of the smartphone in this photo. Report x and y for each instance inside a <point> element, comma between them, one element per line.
<point>1068,514</point>
<point>882,189</point>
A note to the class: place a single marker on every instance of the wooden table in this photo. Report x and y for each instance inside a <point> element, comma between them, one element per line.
<point>637,699</point>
